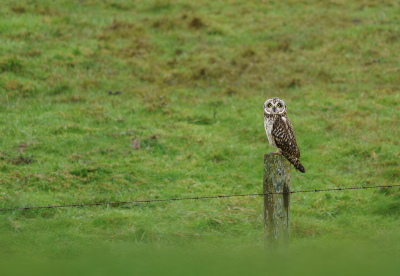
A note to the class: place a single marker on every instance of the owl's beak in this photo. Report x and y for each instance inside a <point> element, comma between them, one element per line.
<point>274,109</point>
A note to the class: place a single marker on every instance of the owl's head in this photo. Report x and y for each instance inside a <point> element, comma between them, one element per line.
<point>274,106</point>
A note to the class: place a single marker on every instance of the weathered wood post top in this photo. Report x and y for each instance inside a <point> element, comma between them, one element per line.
<point>277,179</point>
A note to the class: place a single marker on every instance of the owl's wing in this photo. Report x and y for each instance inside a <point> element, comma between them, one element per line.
<point>284,136</point>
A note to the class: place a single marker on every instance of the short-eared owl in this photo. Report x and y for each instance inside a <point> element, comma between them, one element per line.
<point>280,131</point>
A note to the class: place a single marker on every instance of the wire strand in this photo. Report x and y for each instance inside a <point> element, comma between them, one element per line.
<point>194,198</point>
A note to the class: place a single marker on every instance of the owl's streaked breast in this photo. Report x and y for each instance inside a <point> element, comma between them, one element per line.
<point>268,125</point>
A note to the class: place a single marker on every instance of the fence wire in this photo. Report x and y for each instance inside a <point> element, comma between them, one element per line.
<point>195,198</point>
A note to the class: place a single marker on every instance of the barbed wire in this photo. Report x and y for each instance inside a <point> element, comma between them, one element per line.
<point>195,198</point>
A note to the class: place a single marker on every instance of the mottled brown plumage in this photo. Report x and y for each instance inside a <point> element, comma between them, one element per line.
<point>280,131</point>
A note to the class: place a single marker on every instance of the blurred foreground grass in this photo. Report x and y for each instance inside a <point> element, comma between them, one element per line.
<point>129,100</point>
<point>339,258</point>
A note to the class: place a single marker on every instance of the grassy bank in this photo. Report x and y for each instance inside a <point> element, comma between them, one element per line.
<point>117,101</point>
<point>351,258</point>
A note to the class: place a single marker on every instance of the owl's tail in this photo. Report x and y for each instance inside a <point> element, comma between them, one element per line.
<point>295,161</point>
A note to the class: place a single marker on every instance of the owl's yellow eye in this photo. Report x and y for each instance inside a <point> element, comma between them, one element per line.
<point>269,105</point>
<point>279,105</point>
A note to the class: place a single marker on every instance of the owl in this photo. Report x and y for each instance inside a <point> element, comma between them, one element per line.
<point>280,131</point>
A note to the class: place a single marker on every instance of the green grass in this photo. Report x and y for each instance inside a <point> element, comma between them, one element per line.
<point>193,77</point>
<point>338,259</point>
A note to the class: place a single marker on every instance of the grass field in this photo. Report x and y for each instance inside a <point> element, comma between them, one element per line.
<point>130,100</point>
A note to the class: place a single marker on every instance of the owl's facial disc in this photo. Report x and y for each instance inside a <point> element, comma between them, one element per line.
<point>274,106</point>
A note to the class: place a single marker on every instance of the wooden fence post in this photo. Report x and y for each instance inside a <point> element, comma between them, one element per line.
<point>277,179</point>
